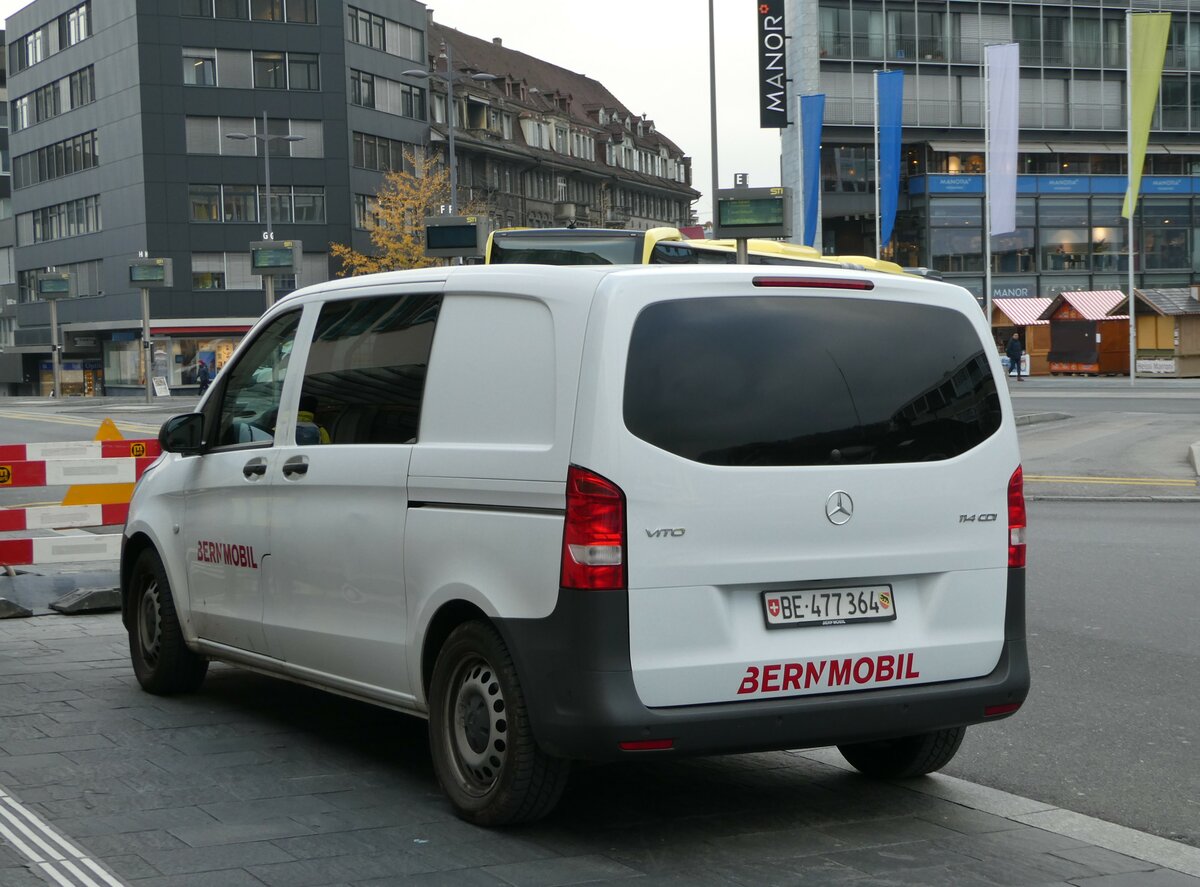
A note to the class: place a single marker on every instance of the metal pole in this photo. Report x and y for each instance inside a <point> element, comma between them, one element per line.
<point>743,251</point>
<point>269,287</point>
<point>987,196</point>
<point>450,113</point>
<point>712,109</point>
<point>55,356</point>
<point>1129,187</point>
<point>147,351</point>
<point>875,132</point>
<point>266,143</point>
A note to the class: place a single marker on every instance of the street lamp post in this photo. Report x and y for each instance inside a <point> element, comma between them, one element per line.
<point>449,79</point>
<point>269,234</point>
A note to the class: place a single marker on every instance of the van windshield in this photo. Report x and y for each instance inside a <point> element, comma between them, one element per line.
<point>778,380</point>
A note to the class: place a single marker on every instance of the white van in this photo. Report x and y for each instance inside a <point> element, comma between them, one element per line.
<point>598,513</point>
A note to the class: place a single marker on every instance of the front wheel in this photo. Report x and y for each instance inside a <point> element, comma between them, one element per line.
<point>484,753</point>
<point>907,756</point>
<point>161,660</point>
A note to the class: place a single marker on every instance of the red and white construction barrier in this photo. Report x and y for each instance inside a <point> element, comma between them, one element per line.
<point>80,463</point>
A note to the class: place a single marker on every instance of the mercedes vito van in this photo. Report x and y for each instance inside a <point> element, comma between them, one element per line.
<point>602,513</point>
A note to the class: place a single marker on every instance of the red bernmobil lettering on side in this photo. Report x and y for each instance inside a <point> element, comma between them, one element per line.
<point>839,672</point>
<point>229,554</point>
<point>770,678</point>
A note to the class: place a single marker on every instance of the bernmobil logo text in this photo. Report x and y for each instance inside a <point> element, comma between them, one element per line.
<point>231,555</point>
<point>781,677</point>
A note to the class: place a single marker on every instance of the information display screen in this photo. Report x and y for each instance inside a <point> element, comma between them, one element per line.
<point>271,257</point>
<point>750,213</point>
<point>147,273</point>
<point>452,236</point>
<point>54,285</point>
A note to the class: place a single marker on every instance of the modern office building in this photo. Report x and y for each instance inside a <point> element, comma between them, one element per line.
<point>140,127</point>
<point>1072,149</point>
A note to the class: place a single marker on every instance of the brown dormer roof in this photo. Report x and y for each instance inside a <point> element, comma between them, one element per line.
<point>579,96</point>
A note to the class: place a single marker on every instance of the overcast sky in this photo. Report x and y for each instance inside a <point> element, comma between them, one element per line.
<point>652,56</point>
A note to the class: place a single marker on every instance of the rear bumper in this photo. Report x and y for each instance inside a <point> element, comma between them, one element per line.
<point>574,667</point>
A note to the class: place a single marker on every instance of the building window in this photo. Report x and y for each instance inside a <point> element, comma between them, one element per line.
<point>309,205</point>
<point>303,71</point>
<point>366,211</point>
<point>302,11</point>
<point>54,161</point>
<point>362,89</point>
<point>266,10</point>
<point>269,72</point>
<point>199,67</point>
<point>235,9</point>
<point>51,38</point>
<point>204,203</point>
<point>68,219</point>
<point>240,203</point>
<point>365,28</point>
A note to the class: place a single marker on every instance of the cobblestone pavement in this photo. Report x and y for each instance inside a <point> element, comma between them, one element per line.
<point>258,782</point>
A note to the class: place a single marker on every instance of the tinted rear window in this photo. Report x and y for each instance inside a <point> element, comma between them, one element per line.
<point>776,380</point>
<point>533,249</point>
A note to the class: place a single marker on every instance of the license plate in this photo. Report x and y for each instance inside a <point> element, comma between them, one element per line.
<point>829,606</point>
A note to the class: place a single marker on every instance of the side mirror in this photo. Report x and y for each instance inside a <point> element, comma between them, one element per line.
<point>182,434</point>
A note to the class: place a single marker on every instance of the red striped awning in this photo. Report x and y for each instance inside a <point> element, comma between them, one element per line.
<point>1095,304</point>
<point>1023,312</point>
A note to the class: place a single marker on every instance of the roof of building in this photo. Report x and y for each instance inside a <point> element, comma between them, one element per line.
<point>553,90</point>
<point>1023,312</point>
<point>1171,301</point>
<point>1091,304</point>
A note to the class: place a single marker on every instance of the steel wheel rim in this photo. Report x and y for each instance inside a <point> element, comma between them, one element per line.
<point>150,624</point>
<point>478,726</point>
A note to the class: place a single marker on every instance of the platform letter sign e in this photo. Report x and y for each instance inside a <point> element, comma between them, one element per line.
<point>772,66</point>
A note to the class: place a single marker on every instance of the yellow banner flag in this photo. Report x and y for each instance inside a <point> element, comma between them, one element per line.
<point>1147,49</point>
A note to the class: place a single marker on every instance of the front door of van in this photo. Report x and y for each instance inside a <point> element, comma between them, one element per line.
<point>227,509</point>
<point>336,597</point>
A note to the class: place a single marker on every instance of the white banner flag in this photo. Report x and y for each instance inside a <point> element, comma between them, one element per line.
<point>1003,93</point>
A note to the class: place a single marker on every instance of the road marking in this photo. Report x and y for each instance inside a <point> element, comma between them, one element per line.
<point>54,855</point>
<point>1119,481</point>
<point>75,420</point>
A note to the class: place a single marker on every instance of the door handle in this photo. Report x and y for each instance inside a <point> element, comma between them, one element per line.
<point>296,466</point>
<point>255,468</point>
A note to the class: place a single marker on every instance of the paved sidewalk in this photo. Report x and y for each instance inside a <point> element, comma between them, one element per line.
<point>257,782</point>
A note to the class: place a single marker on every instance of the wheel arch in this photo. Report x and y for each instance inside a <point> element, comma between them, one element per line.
<point>131,550</point>
<point>448,617</point>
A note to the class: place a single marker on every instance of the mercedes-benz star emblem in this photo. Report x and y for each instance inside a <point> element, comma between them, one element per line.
<point>839,507</point>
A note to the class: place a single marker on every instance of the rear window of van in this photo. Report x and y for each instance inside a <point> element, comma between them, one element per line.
<point>779,380</point>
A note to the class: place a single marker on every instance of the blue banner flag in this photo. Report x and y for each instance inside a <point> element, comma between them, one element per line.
<point>812,117</point>
<point>889,93</point>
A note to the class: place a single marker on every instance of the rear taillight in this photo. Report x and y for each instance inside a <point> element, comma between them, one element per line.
<point>1016,519</point>
<point>593,552</point>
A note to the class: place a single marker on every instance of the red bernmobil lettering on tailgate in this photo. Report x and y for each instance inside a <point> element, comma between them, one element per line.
<point>227,553</point>
<point>784,676</point>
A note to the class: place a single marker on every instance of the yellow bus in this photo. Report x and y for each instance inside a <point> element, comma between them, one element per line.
<point>656,246</point>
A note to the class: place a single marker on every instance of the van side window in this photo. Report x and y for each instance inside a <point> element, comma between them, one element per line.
<point>250,393</point>
<point>365,375</point>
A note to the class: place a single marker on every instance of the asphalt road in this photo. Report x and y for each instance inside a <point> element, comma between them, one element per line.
<point>1112,725</point>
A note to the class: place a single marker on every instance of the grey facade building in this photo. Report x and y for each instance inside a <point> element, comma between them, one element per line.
<point>120,112</point>
<point>1072,147</point>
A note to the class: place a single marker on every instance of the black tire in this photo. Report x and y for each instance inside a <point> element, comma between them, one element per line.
<point>484,753</point>
<point>162,662</point>
<point>906,756</point>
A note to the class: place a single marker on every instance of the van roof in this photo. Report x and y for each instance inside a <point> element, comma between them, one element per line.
<point>458,277</point>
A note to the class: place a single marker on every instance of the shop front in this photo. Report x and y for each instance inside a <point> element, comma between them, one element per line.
<point>175,357</point>
<point>1023,317</point>
<point>1084,337</point>
<point>1168,332</point>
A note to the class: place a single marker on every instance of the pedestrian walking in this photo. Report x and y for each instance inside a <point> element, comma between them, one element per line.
<point>1014,350</point>
<point>202,376</point>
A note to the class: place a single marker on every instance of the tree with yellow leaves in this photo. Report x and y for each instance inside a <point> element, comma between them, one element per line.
<point>397,229</point>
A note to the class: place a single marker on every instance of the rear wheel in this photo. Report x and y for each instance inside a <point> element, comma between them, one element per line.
<point>161,660</point>
<point>906,756</point>
<point>484,753</point>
